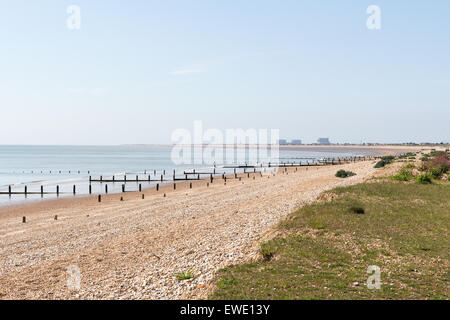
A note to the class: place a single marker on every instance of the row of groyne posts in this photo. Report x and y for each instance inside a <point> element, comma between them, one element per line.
<point>187,175</point>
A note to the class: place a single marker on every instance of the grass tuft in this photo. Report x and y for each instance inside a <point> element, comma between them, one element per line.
<point>181,276</point>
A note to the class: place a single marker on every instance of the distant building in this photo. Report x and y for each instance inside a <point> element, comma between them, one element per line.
<point>296,141</point>
<point>282,141</point>
<point>323,141</point>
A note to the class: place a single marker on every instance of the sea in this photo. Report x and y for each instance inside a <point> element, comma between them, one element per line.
<point>31,167</point>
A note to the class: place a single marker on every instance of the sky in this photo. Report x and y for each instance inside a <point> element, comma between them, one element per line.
<point>135,71</point>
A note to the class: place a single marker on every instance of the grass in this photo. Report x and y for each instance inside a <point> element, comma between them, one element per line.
<point>328,246</point>
<point>185,275</point>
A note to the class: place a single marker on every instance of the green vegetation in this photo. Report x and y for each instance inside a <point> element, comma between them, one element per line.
<point>384,161</point>
<point>424,178</point>
<point>405,174</point>
<point>327,247</point>
<point>344,174</point>
<point>185,275</point>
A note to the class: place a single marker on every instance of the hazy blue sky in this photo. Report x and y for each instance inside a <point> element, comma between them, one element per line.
<point>137,70</point>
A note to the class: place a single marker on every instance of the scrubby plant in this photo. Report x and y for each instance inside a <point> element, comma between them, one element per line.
<point>404,174</point>
<point>344,174</point>
<point>424,178</point>
<point>380,164</point>
<point>437,166</point>
<point>384,161</point>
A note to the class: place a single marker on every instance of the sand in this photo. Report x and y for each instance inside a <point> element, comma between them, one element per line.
<point>132,249</point>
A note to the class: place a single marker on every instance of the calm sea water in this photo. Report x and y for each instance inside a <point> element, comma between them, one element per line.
<point>49,166</point>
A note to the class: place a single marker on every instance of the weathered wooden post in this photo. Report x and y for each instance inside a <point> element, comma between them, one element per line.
<point>143,196</point>
<point>190,185</point>
<point>26,191</point>
<point>57,190</point>
<point>56,217</point>
<point>106,188</point>
<point>74,189</point>
<point>24,219</point>
<point>113,178</point>
<point>99,198</point>
<point>9,190</point>
<point>90,189</point>
<point>140,187</point>
<point>174,186</point>
<point>157,187</point>
<point>149,178</point>
<point>90,178</point>
<point>211,178</point>
<point>125,178</point>
<point>137,178</point>
<point>161,178</point>
<point>123,187</point>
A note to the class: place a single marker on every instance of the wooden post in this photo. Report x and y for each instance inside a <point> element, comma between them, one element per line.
<point>56,217</point>
<point>113,178</point>
<point>143,196</point>
<point>123,187</point>
<point>190,185</point>
<point>101,178</point>
<point>211,178</point>
<point>125,177</point>
<point>157,187</point>
<point>106,188</point>
<point>161,178</point>
<point>57,190</point>
<point>90,189</point>
<point>74,189</point>
<point>140,187</point>
<point>24,219</point>
<point>137,178</point>
<point>9,190</point>
<point>174,186</point>
<point>99,198</point>
<point>207,184</point>
<point>90,178</point>
<point>26,191</point>
<point>198,176</point>
<point>148,177</point>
